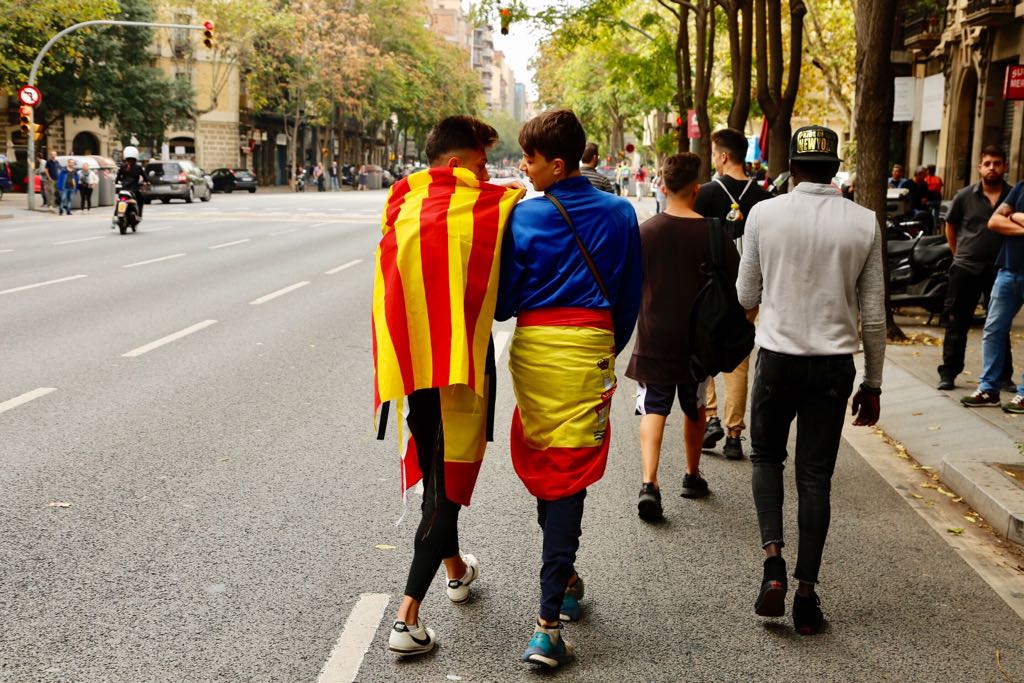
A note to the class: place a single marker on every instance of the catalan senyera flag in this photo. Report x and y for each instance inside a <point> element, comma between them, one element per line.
<point>434,294</point>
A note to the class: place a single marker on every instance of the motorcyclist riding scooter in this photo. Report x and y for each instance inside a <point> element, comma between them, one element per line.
<point>130,179</point>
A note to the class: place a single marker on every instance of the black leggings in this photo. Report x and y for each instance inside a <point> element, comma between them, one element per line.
<point>438,534</point>
<point>86,197</point>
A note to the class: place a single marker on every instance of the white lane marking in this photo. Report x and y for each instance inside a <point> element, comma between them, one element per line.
<point>501,338</point>
<point>25,398</point>
<point>6,251</point>
<point>81,239</point>
<point>273,295</point>
<point>347,656</point>
<point>146,348</point>
<point>317,225</point>
<point>343,266</point>
<point>283,232</point>
<point>41,284</point>
<point>166,227</point>
<point>230,244</point>
<point>154,260</point>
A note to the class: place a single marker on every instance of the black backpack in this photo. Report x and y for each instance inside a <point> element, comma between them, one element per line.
<point>720,334</point>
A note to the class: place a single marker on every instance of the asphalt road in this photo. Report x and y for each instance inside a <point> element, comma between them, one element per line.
<point>213,507</point>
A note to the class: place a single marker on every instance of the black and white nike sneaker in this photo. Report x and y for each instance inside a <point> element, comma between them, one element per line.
<point>415,640</point>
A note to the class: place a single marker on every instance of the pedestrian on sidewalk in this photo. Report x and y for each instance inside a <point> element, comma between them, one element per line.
<point>318,177</point>
<point>571,274</point>
<point>51,171</point>
<point>87,180</point>
<point>1006,301</point>
<point>449,391</point>
<point>973,272</point>
<point>802,249</point>
<point>588,167</point>
<point>729,197</point>
<point>641,182</point>
<point>624,174</point>
<point>67,186</point>
<point>363,178</point>
<point>676,246</point>
<point>335,187</point>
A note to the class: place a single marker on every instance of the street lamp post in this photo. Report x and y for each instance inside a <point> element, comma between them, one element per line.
<point>31,189</point>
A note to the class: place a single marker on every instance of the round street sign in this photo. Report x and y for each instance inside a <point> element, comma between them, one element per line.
<point>29,95</point>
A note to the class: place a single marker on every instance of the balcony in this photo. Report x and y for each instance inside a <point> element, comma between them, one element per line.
<point>922,33</point>
<point>988,12</point>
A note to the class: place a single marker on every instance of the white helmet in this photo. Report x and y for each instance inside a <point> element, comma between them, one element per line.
<point>130,152</point>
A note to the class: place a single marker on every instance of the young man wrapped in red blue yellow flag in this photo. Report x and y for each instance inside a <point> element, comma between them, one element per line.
<point>433,302</point>
<point>572,273</point>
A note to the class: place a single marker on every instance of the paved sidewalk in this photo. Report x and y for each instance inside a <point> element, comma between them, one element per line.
<point>977,452</point>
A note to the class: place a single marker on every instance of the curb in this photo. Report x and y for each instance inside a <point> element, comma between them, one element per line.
<point>962,447</point>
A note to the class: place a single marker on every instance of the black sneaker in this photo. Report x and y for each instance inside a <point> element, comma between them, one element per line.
<point>1008,386</point>
<point>771,601</point>
<point>713,433</point>
<point>733,448</point>
<point>807,616</point>
<point>945,384</point>
<point>694,486</point>
<point>981,399</point>
<point>649,505</point>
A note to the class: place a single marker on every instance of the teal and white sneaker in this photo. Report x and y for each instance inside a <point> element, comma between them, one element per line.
<point>458,589</point>
<point>571,609</point>
<point>548,648</point>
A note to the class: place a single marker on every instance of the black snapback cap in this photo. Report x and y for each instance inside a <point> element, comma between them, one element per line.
<point>814,143</point>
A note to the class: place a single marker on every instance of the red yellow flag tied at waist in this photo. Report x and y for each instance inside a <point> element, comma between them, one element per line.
<point>434,293</point>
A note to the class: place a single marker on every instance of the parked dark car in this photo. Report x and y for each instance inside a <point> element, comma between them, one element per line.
<point>6,176</point>
<point>175,180</point>
<point>231,179</point>
<point>346,176</point>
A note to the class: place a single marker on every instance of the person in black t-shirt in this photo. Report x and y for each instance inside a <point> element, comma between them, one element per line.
<point>729,196</point>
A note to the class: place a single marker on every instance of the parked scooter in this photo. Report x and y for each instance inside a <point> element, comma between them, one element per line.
<point>919,273</point>
<point>126,211</point>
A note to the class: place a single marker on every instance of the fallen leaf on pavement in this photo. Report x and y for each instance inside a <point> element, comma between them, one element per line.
<point>934,428</point>
<point>59,504</point>
<point>958,499</point>
<point>926,485</point>
<point>384,546</point>
<point>917,414</point>
<point>916,495</point>
<point>955,530</point>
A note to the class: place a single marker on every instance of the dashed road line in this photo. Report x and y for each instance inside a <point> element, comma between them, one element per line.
<point>81,239</point>
<point>25,398</point>
<point>283,232</point>
<point>41,284</point>
<point>154,260</point>
<point>146,348</point>
<point>6,251</point>
<point>230,244</point>
<point>343,664</point>
<point>273,295</point>
<point>166,227</point>
<point>343,266</point>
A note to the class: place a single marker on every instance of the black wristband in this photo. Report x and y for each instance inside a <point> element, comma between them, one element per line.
<point>871,390</point>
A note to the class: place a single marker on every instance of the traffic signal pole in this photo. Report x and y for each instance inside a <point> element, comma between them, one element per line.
<point>31,189</point>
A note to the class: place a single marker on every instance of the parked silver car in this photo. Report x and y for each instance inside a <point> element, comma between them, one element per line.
<point>179,179</point>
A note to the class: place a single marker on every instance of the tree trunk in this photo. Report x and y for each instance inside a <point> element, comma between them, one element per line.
<point>704,17</point>
<point>873,118</point>
<point>777,103</point>
<point>739,18</point>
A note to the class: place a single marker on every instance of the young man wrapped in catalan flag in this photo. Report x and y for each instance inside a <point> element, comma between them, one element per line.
<point>433,303</point>
<point>571,272</point>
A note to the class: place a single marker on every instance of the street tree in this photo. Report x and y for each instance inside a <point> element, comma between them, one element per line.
<point>873,117</point>
<point>778,80</point>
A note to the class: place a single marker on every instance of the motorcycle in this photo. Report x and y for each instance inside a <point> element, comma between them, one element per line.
<point>126,211</point>
<point>919,273</point>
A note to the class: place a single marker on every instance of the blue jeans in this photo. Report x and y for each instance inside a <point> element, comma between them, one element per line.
<point>334,183</point>
<point>1006,300</point>
<point>66,195</point>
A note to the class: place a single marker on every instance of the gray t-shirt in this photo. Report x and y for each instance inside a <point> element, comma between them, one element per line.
<point>976,245</point>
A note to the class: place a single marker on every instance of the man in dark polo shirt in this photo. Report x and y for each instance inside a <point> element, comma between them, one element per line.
<point>1006,301</point>
<point>588,167</point>
<point>716,199</point>
<point>975,248</point>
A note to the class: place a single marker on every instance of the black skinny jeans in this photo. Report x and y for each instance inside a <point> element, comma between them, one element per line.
<point>86,193</point>
<point>561,521</point>
<point>965,290</point>
<point>438,534</point>
<point>813,390</point>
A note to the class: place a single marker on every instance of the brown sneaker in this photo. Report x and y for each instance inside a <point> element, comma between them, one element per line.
<point>981,399</point>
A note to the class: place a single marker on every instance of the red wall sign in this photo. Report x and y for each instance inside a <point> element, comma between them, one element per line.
<point>1013,86</point>
<point>693,124</point>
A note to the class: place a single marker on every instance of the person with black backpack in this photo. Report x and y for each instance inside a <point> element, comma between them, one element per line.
<point>729,196</point>
<point>682,263</point>
<point>813,261</point>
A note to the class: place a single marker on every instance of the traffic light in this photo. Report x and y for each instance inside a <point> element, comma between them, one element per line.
<point>26,117</point>
<point>506,19</point>
<point>208,34</point>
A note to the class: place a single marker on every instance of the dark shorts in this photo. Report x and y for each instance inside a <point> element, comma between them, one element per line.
<point>656,399</point>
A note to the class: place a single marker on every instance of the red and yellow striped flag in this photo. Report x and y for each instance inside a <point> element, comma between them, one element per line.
<point>435,289</point>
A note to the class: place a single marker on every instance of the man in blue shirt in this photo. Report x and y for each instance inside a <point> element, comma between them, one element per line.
<point>1006,300</point>
<point>573,281</point>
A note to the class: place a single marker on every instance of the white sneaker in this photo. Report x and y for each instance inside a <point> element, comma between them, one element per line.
<point>458,589</point>
<point>407,641</point>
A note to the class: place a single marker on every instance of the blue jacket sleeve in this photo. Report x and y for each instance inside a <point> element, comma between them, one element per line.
<point>510,278</point>
<point>627,303</point>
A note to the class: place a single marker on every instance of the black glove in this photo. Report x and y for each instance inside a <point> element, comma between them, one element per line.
<point>866,406</point>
